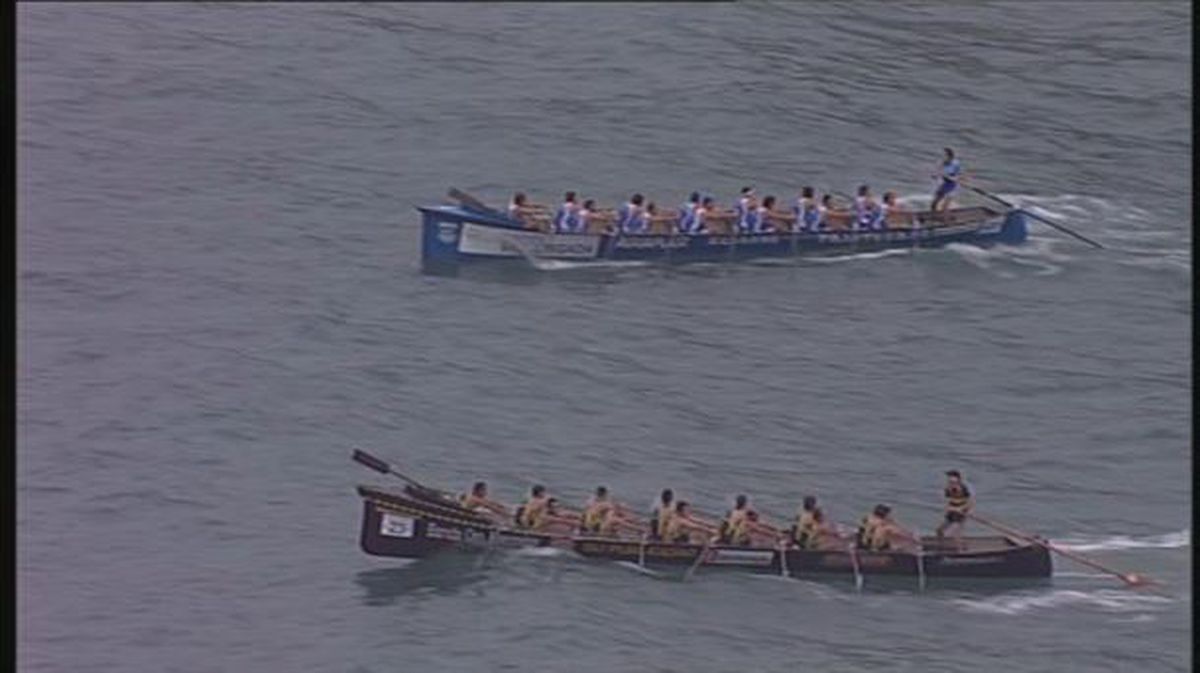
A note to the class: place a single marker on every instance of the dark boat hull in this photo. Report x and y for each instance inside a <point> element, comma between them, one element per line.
<point>452,236</point>
<point>407,526</point>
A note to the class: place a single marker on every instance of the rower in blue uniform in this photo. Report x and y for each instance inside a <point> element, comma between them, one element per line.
<point>866,211</point>
<point>687,215</point>
<point>766,217</point>
<point>951,175</point>
<point>807,212</point>
<point>632,218</point>
<point>744,211</point>
<point>565,218</point>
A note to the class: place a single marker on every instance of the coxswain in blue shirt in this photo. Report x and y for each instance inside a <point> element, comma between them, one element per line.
<point>565,217</point>
<point>951,175</point>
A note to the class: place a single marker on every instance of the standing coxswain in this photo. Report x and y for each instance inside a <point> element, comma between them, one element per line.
<point>951,173</point>
<point>959,502</point>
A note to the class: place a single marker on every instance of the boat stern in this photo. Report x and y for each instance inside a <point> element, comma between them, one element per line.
<point>1015,229</point>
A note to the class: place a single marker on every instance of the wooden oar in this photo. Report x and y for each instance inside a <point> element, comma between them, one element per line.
<point>472,203</point>
<point>1056,225</point>
<point>383,467</point>
<point>1131,579</point>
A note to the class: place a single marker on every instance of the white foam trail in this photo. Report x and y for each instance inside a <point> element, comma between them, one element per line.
<point>1109,600</point>
<point>542,552</point>
<point>1175,540</point>
<point>977,256</point>
<point>891,252</point>
<point>630,565</point>
<point>565,265</point>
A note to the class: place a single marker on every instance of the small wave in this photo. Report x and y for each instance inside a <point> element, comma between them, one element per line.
<point>1111,600</point>
<point>1175,540</point>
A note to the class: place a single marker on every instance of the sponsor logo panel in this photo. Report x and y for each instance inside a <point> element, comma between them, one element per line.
<point>392,525</point>
<point>498,242</point>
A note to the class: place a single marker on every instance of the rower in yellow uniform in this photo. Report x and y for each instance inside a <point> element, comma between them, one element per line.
<point>823,534</point>
<point>530,513</point>
<point>958,505</point>
<point>603,516</point>
<point>755,532</point>
<point>684,527</point>
<point>732,524</point>
<point>477,501</point>
<point>880,532</point>
<point>661,516</point>
<point>556,521</point>
<point>802,530</point>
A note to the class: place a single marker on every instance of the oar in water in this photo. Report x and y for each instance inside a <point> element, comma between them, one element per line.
<point>381,466</point>
<point>1035,216</point>
<point>1131,579</point>
<point>699,559</point>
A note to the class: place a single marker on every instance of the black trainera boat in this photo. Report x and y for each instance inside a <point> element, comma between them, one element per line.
<point>420,522</point>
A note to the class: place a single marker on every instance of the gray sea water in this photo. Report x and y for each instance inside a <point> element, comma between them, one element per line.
<point>219,297</point>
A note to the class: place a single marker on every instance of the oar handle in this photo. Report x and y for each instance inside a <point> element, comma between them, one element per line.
<point>1046,220</point>
<point>1132,579</point>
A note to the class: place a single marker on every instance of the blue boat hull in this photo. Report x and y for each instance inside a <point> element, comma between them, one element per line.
<point>452,236</point>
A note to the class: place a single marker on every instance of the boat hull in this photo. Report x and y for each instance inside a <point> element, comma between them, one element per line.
<point>452,236</point>
<point>406,526</point>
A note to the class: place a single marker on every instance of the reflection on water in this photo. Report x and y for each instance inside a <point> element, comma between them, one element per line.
<point>445,576</point>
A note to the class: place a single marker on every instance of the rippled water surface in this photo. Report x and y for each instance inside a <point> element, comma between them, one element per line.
<point>219,298</point>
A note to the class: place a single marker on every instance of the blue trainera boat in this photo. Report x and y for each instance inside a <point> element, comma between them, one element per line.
<point>469,233</point>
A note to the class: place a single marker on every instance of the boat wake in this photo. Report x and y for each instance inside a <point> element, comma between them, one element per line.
<point>1175,540</point>
<point>835,259</point>
<point>569,265</point>
<point>542,552</point>
<point>1108,600</point>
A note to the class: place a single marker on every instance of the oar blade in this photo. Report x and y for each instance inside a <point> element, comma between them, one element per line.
<point>364,458</point>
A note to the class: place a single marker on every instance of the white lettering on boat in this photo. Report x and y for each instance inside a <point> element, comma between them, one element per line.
<point>436,532</point>
<point>968,560</point>
<point>479,239</point>
<point>392,525</point>
<point>447,232</point>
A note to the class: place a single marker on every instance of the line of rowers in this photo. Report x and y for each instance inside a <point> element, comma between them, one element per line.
<point>675,521</point>
<point>701,215</point>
